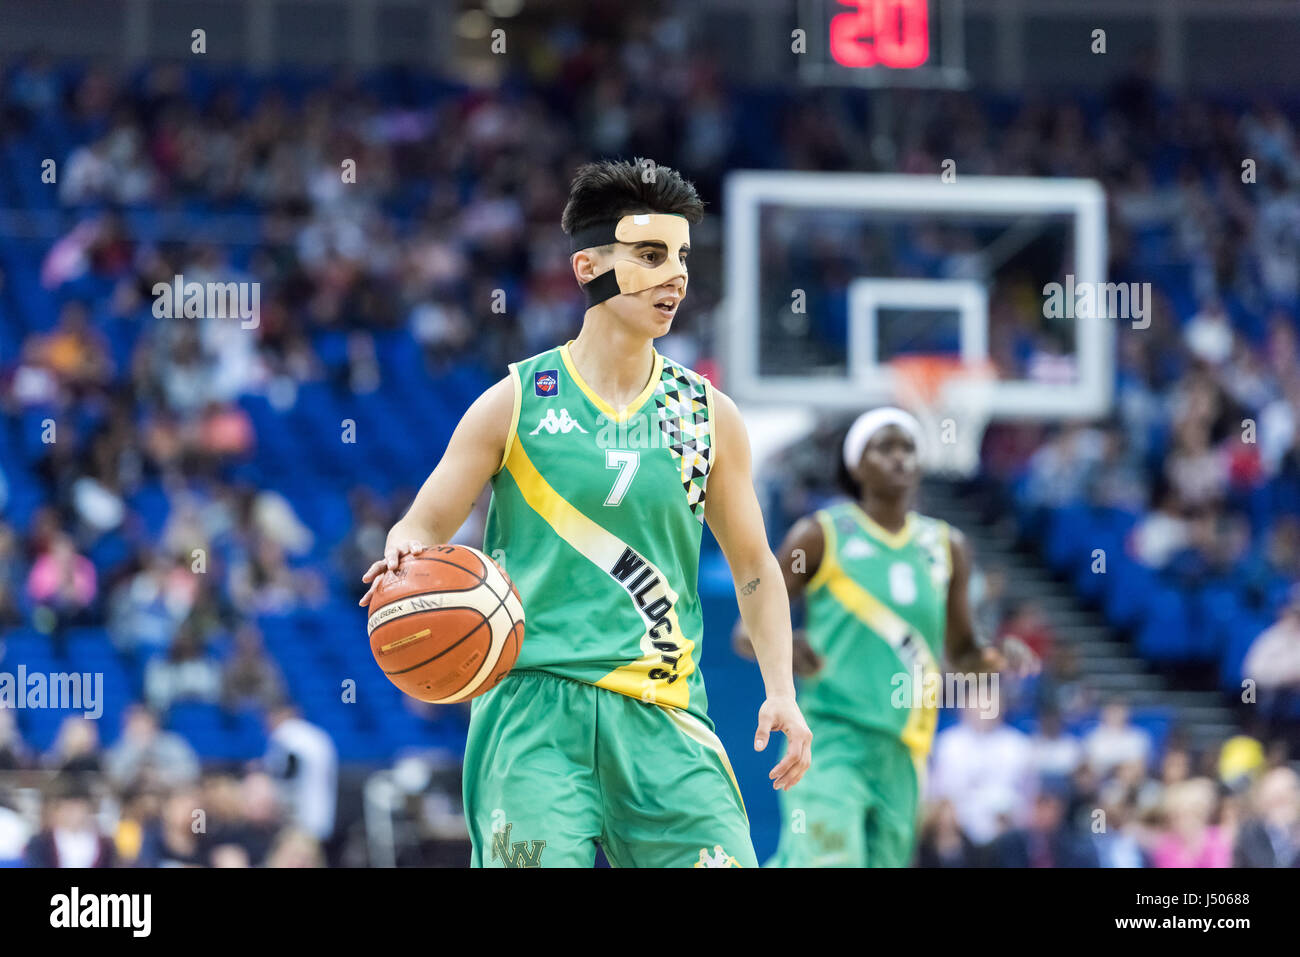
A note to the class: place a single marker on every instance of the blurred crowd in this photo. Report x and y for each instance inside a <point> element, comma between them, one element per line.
<point>148,800</point>
<point>999,797</point>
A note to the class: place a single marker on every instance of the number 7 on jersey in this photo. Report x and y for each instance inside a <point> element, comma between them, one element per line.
<point>627,464</point>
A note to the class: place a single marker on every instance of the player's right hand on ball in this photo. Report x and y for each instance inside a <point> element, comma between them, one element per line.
<point>393,555</point>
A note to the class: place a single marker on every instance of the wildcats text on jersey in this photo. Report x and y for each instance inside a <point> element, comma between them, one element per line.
<point>633,573</point>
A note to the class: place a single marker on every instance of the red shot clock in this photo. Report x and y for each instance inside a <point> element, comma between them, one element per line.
<point>884,33</point>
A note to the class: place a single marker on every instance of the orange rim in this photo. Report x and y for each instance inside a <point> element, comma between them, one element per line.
<point>925,374</point>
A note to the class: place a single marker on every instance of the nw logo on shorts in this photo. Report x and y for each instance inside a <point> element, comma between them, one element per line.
<point>517,854</point>
<point>553,423</point>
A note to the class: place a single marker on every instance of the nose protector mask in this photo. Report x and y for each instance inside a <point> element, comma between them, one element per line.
<point>629,277</point>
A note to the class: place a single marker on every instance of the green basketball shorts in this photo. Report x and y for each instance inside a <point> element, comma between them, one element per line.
<point>555,767</point>
<point>856,806</point>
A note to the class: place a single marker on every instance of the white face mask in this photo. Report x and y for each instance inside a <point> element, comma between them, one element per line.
<point>631,276</point>
<point>672,231</point>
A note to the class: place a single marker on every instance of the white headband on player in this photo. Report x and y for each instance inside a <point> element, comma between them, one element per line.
<point>869,423</point>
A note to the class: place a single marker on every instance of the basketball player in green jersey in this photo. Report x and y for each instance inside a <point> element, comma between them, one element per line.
<point>885,595</point>
<point>605,459</point>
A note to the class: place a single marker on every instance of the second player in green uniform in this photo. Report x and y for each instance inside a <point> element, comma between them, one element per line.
<point>885,596</point>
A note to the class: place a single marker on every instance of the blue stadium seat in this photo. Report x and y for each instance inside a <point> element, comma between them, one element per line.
<point>1129,585</point>
<point>1165,633</point>
<point>1241,635</point>
<point>1215,610</point>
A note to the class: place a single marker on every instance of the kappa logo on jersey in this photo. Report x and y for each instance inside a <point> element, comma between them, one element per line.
<point>640,580</point>
<point>719,858</point>
<point>553,423</point>
<point>857,548</point>
<point>547,383</point>
<point>518,853</point>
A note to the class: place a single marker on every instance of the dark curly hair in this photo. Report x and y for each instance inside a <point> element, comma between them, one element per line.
<point>610,189</point>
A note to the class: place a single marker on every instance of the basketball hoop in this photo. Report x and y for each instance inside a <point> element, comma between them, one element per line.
<point>951,399</point>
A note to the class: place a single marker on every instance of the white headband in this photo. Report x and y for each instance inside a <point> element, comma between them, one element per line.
<point>869,423</point>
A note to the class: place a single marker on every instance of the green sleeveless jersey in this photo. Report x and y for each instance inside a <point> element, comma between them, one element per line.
<point>876,608</point>
<point>597,515</point>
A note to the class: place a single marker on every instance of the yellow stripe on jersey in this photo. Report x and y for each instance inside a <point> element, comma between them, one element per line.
<point>918,732</point>
<point>830,546</point>
<point>514,416</point>
<point>603,549</point>
<point>697,730</point>
<point>945,536</point>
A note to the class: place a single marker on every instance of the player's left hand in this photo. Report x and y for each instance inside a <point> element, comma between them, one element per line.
<point>782,714</point>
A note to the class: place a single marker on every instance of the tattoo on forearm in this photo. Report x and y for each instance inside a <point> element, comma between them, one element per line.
<point>749,586</point>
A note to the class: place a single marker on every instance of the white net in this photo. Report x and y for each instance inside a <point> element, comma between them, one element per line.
<point>953,402</point>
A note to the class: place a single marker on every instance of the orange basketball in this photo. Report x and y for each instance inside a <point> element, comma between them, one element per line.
<point>447,625</point>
